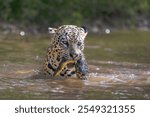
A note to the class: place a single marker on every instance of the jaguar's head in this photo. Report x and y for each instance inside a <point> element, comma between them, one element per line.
<point>69,39</point>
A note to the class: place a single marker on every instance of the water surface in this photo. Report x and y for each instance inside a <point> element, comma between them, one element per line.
<point>119,69</point>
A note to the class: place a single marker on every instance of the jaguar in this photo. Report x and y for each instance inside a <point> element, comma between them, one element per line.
<point>67,43</point>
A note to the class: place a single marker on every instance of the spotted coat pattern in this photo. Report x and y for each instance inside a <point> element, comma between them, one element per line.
<point>67,44</point>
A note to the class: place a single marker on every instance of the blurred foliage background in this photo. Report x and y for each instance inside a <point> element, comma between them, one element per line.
<point>102,13</point>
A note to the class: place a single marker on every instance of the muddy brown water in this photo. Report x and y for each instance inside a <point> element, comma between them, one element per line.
<point>113,81</point>
<point>110,77</point>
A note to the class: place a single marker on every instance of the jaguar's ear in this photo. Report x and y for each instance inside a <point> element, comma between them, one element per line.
<point>52,30</point>
<point>85,29</point>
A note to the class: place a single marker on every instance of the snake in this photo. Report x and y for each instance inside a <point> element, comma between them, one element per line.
<point>61,66</point>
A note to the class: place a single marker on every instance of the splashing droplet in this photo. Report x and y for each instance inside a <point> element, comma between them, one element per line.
<point>107,31</point>
<point>22,33</point>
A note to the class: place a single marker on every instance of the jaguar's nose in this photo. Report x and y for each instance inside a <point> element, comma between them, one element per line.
<point>74,55</point>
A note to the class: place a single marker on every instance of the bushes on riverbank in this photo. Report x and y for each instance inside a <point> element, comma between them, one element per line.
<point>114,13</point>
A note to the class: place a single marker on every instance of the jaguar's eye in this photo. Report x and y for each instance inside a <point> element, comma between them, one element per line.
<point>79,43</point>
<point>65,43</point>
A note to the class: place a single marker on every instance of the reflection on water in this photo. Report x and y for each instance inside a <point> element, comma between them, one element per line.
<point>107,80</point>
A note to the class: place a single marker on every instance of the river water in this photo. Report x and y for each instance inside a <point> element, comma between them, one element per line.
<point>21,77</point>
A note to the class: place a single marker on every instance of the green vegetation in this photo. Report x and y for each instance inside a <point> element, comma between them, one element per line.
<point>54,12</point>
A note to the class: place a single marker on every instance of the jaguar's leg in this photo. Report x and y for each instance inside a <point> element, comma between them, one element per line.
<point>81,68</point>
